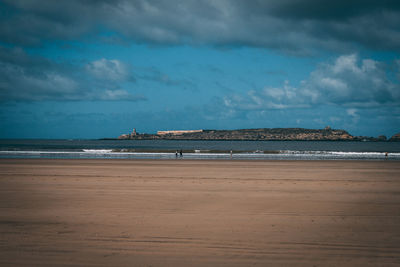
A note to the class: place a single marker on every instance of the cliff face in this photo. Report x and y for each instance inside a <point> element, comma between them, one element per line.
<point>255,134</point>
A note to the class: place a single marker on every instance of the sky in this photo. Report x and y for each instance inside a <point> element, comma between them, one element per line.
<point>99,68</point>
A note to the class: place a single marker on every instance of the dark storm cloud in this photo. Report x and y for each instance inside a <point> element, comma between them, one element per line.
<point>293,26</point>
<point>28,78</point>
<point>324,10</point>
<point>32,22</point>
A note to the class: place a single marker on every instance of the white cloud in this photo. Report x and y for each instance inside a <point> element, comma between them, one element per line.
<point>352,112</point>
<point>286,92</point>
<point>334,84</point>
<point>345,63</point>
<point>35,81</point>
<point>334,119</point>
<point>113,95</point>
<point>32,78</point>
<point>108,69</point>
<point>347,81</point>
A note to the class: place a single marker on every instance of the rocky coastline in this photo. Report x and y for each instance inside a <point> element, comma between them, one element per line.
<point>261,134</point>
<point>395,138</point>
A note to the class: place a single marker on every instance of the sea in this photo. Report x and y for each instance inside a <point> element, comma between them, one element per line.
<point>225,150</point>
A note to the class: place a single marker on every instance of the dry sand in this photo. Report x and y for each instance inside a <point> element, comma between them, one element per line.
<point>199,213</point>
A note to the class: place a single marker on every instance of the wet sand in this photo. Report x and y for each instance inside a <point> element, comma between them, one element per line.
<point>199,213</point>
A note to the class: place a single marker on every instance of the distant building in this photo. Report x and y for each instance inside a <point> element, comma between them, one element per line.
<point>123,136</point>
<point>133,133</point>
<point>178,132</point>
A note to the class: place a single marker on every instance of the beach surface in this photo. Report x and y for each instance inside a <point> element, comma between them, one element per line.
<point>56,212</point>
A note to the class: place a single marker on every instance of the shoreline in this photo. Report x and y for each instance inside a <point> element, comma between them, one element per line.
<point>269,161</point>
<point>204,155</point>
<point>161,149</point>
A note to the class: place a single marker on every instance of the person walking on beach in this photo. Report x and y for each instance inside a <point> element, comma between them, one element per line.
<point>181,153</point>
<point>231,154</point>
<point>176,154</point>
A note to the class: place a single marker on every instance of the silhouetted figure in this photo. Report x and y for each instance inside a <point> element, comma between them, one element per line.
<point>176,154</point>
<point>386,154</point>
<point>181,153</point>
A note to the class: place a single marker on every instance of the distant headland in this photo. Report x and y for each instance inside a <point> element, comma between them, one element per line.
<point>267,134</point>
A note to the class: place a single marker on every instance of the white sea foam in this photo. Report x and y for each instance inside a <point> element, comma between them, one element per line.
<point>344,153</point>
<point>97,151</point>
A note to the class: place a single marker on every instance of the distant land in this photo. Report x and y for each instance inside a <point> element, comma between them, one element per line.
<point>267,134</point>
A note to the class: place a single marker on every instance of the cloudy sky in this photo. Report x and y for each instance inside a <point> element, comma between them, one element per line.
<point>98,68</point>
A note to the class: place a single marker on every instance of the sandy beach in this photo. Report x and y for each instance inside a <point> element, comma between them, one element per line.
<point>199,213</point>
